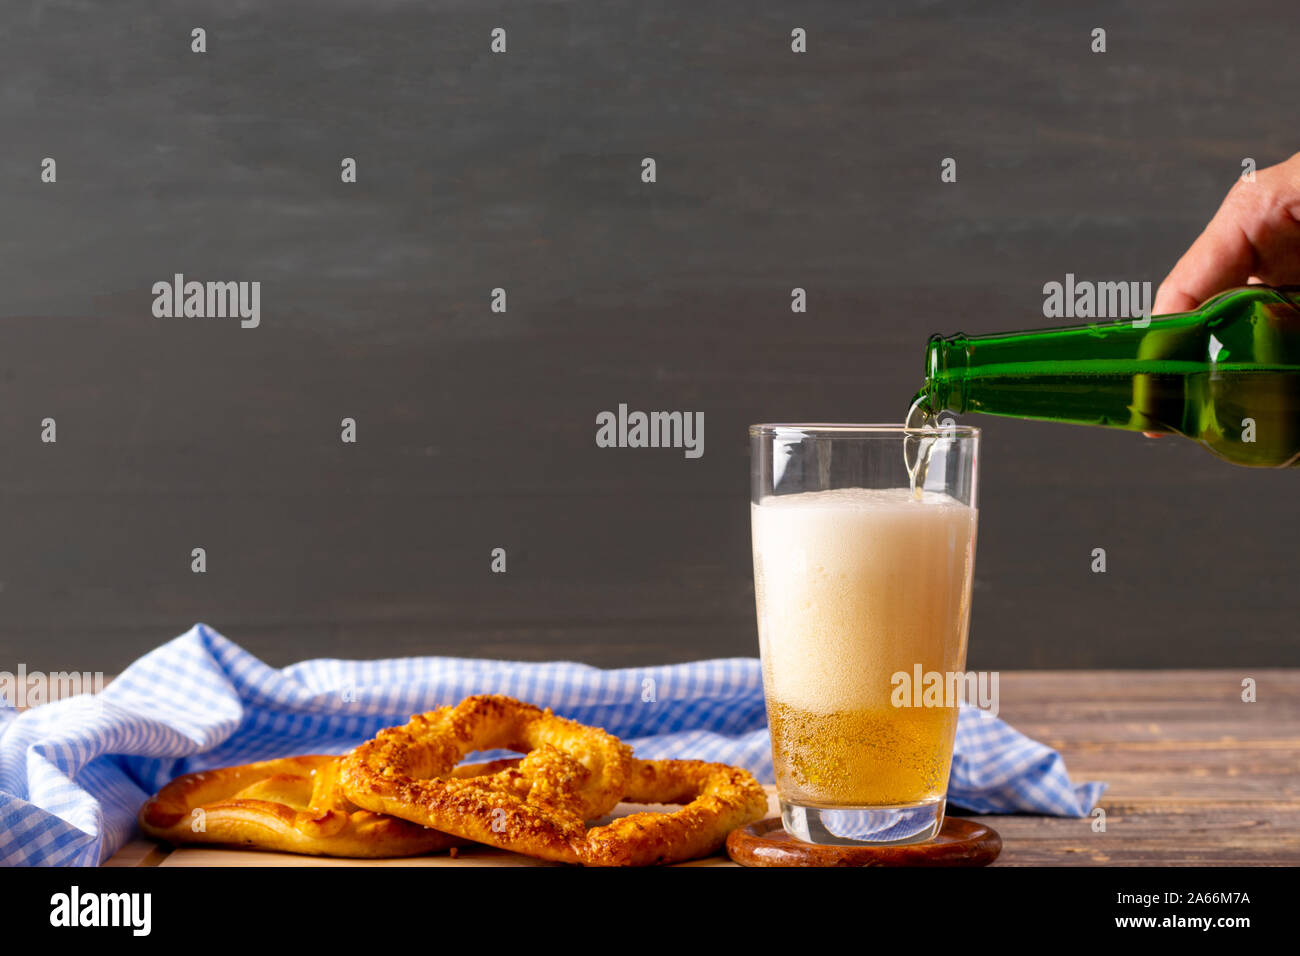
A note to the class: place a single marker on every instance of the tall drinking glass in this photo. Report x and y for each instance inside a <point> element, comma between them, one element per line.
<point>863,585</point>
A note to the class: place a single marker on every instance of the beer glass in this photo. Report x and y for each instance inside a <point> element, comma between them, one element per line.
<point>864,546</point>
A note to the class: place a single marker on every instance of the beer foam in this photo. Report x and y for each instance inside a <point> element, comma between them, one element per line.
<point>856,584</point>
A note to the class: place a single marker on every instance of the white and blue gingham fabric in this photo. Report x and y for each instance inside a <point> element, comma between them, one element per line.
<point>74,773</point>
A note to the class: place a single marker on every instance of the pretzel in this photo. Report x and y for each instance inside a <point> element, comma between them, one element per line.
<point>718,798</point>
<point>293,804</point>
<point>570,774</point>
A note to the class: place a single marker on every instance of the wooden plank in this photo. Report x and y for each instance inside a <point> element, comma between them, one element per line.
<point>1212,833</point>
<point>139,852</point>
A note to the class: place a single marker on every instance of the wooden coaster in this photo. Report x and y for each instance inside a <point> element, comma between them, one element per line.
<point>959,843</point>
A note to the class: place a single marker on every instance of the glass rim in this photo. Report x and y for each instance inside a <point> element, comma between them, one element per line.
<point>833,430</point>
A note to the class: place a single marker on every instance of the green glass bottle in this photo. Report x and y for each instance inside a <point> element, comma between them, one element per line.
<point>1226,375</point>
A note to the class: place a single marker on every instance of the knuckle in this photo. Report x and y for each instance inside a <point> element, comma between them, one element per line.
<point>1254,201</point>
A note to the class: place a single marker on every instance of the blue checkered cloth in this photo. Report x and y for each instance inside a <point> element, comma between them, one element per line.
<point>74,773</point>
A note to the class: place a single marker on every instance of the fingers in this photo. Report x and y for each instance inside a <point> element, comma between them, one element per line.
<point>1220,258</point>
<point>1255,233</point>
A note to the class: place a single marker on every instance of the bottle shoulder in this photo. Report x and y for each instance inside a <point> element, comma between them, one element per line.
<point>1231,302</point>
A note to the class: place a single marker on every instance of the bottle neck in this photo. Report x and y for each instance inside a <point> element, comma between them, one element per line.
<point>1125,373</point>
<point>1122,373</point>
<point>1079,374</point>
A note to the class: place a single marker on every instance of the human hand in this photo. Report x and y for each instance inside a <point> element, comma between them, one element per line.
<point>1255,236</point>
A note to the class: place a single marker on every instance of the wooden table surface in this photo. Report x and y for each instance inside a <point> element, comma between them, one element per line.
<point>1197,776</point>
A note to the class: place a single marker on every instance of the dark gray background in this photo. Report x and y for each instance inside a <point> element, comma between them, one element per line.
<point>522,171</point>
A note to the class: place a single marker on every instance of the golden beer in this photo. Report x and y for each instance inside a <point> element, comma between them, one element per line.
<point>854,587</point>
<point>865,758</point>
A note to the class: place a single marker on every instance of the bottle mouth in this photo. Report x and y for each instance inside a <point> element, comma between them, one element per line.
<point>934,363</point>
<point>946,361</point>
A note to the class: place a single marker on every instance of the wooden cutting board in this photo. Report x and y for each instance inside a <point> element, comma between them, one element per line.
<point>147,853</point>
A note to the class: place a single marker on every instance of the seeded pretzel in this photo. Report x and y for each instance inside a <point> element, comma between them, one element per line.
<point>718,798</point>
<point>570,774</point>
